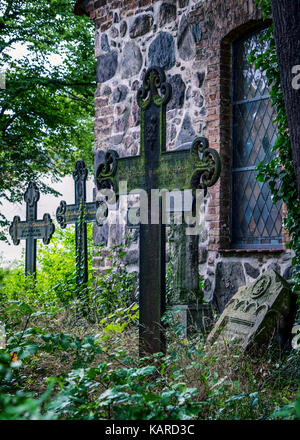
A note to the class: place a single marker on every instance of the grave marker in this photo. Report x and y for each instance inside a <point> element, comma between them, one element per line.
<point>255,313</point>
<point>156,168</point>
<point>79,213</point>
<point>32,229</point>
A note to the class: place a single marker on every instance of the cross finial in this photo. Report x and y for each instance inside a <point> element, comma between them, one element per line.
<point>13,230</point>
<point>155,88</point>
<point>32,194</point>
<point>80,176</point>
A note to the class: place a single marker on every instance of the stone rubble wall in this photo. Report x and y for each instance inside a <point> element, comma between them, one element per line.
<point>191,40</point>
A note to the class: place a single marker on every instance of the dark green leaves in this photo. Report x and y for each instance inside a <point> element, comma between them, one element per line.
<point>46,109</point>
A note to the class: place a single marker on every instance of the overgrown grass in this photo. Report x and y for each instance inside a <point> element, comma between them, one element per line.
<point>92,371</point>
<point>60,363</point>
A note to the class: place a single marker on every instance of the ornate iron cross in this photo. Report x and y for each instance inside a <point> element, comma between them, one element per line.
<point>31,229</point>
<point>79,213</point>
<point>156,168</point>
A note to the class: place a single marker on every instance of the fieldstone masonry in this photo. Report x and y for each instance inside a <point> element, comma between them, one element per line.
<point>191,39</point>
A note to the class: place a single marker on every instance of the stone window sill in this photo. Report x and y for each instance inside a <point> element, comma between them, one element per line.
<point>253,251</point>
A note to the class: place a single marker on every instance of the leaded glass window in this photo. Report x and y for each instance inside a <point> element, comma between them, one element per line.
<point>256,222</point>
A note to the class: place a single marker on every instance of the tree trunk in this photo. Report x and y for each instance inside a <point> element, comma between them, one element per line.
<point>286,17</point>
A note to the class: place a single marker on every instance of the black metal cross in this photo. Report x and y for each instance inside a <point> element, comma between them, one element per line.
<point>156,168</point>
<point>32,229</point>
<point>79,213</point>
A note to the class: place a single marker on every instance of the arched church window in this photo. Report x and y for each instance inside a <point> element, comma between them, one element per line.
<point>255,221</point>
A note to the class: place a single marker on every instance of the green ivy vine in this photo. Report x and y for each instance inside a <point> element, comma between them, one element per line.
<point>280,169</point>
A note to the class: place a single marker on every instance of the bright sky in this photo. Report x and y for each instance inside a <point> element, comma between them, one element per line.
<point>18,50</point>
<point>47,203</point>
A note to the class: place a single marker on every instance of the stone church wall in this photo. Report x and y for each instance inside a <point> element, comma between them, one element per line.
<point>191,40</point>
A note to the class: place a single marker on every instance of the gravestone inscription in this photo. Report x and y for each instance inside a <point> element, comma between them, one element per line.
<point>256,313</point>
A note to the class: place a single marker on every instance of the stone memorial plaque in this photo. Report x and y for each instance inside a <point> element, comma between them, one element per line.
<point>255,313</point>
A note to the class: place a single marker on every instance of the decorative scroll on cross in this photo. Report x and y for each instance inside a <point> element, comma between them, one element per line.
<point>79,213</point>
<point>156,168</point>
<point>31,229</point>
<point>197,168</point>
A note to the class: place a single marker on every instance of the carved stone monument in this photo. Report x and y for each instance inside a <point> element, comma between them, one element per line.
<point>185,295</point>
<point>256,313</point>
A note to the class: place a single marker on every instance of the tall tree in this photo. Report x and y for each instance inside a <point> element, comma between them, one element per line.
<point>286,17</point>
<point>46,107</point>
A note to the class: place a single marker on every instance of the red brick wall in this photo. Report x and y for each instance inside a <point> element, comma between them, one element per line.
<point>101,10</point>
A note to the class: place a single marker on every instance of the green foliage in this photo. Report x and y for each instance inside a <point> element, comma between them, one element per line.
<point>115,288</point>
<point>16,404</point>
<point>130,394</point>
<point>280,169</point>
<point>170,283</point>
<point>46,109</point>
<point>56,366</point>
<point>97,378</point>
<point>20,405</point>
<point>55,283</point>
<point>86,392</point>
<point>291,411</point>
<point>117,321</point>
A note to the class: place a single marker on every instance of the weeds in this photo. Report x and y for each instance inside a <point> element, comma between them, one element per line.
<point>58,364</point>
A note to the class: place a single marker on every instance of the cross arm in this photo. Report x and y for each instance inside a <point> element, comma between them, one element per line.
<point>38,229</point>
<point>196,168</point>
<point>116,169</point>
<point>69,214</point>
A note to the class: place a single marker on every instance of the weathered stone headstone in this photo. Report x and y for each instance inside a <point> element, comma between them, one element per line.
<point>186,296</point>
<point>229,277</point>
<point>256,313</point>
<point>184,261</point>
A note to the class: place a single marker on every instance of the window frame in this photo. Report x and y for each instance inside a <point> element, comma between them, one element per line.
<point>235,246</point>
